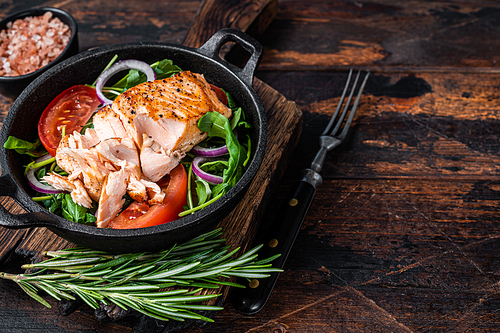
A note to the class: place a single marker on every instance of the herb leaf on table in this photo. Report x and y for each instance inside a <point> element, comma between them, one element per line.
<point>167,285</point>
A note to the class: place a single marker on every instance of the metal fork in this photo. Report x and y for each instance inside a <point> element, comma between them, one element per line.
<point>279,235</point>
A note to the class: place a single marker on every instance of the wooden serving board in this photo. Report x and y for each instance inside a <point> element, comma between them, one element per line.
<point>284,120</point>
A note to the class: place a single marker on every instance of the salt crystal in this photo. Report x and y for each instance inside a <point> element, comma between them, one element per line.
<point>24,46</point>
<point>48,41</point>
<point>47,16</point>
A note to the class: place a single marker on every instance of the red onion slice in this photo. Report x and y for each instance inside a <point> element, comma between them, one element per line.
<point>210,152</point>
<point>35,184</point>
<point>141,66</point>
<point>202,174</point>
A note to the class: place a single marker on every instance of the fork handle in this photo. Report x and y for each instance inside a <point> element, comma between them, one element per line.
<point>278,238</point>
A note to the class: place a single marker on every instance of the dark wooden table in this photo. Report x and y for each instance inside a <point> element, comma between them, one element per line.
<point>403,234</point>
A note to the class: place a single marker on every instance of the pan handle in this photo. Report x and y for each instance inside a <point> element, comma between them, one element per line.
<point>18,221</point>
<point>212,47</point>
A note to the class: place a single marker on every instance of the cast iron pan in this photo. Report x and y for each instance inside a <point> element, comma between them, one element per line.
<point>22,121</point>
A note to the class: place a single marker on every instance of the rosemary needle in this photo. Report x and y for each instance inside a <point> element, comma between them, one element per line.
<point>167,285</point>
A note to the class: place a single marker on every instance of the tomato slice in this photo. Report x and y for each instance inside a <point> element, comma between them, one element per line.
<point>135,210</point>
<point>220,94</point>
<point>70,109</point>
<point>136,216</point>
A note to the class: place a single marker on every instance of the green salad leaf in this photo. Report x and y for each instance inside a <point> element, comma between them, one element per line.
<point>203,191</point>
<point>216,124</point>
<point>62,204</point>
<point>24,147</point>
<point>163,69</point>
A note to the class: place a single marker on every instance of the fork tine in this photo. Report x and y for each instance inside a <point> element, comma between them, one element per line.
<point>342,116</point>
<point>329,141</point>
<point>354,107</point>
<point>341,101</point>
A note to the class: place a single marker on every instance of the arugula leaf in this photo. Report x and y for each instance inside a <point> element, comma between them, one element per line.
<point>41,173</point>
<point>54,204</point>
<point>24,147</point>
<point>236,118</point>
<point>220,188</point>
<point>249,149</point>
<point>230,101</point>
<point>203,191</point>
<point>215,167</point>
<point>237,155</point>
<point>238,173</point>
<point>216,124</point>
<point>133,78</point>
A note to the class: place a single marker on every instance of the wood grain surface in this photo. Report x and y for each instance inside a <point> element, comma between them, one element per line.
<point>403,235</point>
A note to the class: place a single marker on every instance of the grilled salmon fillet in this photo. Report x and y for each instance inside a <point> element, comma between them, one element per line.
<point>135,142</point>
<point>167,111</point>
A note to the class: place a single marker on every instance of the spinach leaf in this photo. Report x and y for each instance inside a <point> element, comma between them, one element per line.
<point>62,204</point>
<point>73,211</point>
<point>90,218</point>
<point>213,123</point>
<point>24,147</point>
<point>165,68</point>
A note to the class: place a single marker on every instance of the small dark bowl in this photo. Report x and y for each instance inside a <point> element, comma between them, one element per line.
<point>12,86</point>
<point>22,121</point>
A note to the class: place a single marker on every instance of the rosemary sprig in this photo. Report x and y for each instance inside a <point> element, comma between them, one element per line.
<point>167,285</point>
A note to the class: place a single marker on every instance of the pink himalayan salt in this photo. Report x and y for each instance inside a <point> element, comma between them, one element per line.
<point>31,43</point>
